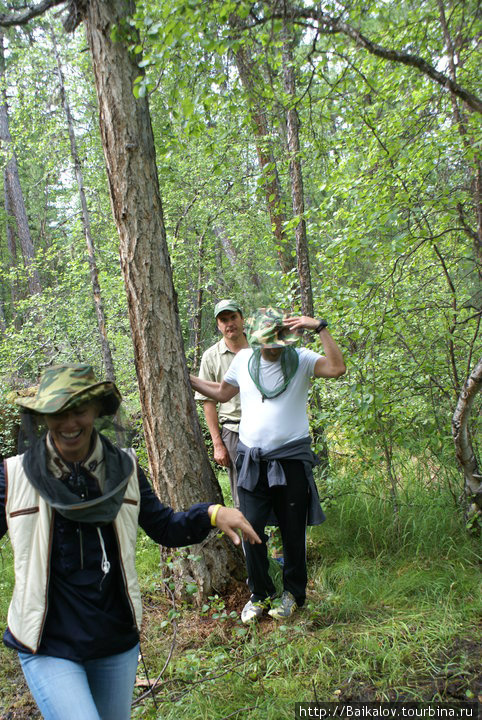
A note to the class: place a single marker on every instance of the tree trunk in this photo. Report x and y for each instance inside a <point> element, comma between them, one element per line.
<point>463,445</point>
<point>296,176</point>
<point>94,275</point>
<point>11,243</point>
<point>198,310</point>
<point>267,163</point>
<point>3,324</point>
<point>178,460</point>
<point>230,251</point>
<point>17,214</point>
<point>226,244</point>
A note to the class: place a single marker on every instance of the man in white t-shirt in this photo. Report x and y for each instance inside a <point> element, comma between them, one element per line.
<point>275,460</point>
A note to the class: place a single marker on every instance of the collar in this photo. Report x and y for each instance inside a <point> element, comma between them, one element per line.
<point>45,471</point>
<point>223,348</point>
<point>94,462</point>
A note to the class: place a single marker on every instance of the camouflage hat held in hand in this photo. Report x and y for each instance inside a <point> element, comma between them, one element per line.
<point>63,387</point>
<point>267,329</point>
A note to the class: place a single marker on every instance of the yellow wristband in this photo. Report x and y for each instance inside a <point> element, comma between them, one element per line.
<point>214,514</point>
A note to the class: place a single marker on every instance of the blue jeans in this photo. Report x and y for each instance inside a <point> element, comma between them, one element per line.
<point>93,690</point>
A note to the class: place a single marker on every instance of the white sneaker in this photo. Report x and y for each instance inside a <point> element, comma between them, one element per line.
<point>252,611</point>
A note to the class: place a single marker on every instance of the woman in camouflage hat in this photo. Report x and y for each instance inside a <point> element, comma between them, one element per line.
<point>72,504</point>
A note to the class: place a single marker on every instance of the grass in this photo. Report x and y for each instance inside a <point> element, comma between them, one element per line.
<point>392,614</point>
<point>373,629</point>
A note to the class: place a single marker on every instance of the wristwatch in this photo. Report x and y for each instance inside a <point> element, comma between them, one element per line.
<point>321,326</point>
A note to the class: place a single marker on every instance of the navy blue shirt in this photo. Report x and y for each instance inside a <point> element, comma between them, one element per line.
<point>89,614</point>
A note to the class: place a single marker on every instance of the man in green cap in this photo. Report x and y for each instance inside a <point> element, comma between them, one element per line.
<point>275,460</point>
<point>223,422</point>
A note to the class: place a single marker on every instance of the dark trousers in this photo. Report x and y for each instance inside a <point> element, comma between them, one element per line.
<point>290,505</point>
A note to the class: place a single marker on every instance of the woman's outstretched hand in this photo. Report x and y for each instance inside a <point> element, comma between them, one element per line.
<point>230,520</point>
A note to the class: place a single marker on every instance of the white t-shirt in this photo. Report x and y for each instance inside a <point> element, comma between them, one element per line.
<point>276,422</point>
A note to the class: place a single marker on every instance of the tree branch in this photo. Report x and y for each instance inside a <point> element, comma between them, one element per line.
<point>330,25</point>
<point>22,17</point>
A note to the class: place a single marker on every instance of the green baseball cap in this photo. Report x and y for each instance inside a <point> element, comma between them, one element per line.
<point>227,305</point>
<point>63,387</point>
<point>267,329</point>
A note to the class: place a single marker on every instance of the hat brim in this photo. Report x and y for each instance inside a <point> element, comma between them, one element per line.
<point>105,393</point>
<point>290,337</point>
<point>228,308</point>
<point>274,345</point>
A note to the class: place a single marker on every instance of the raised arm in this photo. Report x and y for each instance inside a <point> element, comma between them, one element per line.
<point>221,392</point>
<point>331,365</point>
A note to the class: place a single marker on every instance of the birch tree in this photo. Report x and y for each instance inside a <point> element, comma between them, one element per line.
<point>86,224</point>
<point>17,220</point>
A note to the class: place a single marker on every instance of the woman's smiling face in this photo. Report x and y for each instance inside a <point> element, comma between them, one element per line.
<point>71,430</point>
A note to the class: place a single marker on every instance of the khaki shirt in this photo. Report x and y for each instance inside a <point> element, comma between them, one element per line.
<point>214,365</point>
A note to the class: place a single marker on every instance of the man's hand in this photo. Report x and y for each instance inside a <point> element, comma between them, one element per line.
<point>332,364</point>
<point>229,520</point>
<point>301,323</point>
<point>221,455</point>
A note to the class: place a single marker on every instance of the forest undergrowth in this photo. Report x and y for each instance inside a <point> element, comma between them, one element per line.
<point>393,613</point>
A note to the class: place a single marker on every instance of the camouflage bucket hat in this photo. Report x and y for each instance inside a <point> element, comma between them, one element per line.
<point>266,329</point>
<point>63,387</point>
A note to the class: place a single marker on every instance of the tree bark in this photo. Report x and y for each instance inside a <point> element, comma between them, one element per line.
<point>94,275</point>
<point>17,220</point>
<point>178,460</point>
<point>463,445</point>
